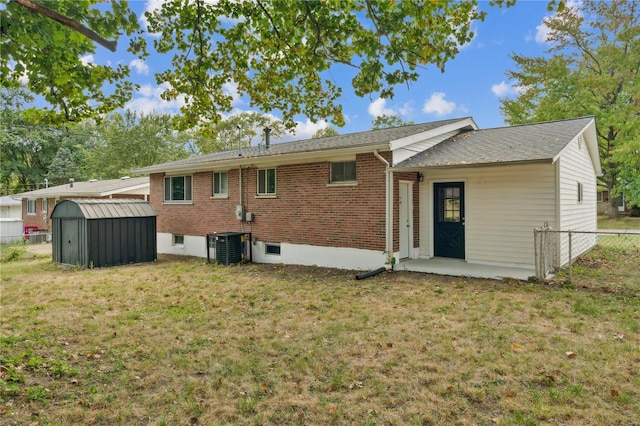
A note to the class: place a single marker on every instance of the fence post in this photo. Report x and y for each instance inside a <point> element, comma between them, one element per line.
<point>570,260</point>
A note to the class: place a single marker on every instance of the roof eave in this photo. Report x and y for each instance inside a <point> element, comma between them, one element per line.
<point>264,160</point>
<point>469,165</point>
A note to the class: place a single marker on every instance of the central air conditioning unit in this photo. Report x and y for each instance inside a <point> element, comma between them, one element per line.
<point>229,247</point>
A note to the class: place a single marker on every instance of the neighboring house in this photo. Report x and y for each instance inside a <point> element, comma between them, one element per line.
<point>10,220</point>
<point>604,200</point>
<point>37,205</point>
<point>403,196</point>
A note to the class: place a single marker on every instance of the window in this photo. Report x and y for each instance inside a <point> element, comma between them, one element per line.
<point>599,197</point>
<point>178,240</point>
<point>31,206</point>
<point>220,184</point>
<point>450,204</point>
<point>580,192</point>
<point>267,182</point>
<point>272,249</point>
<point>177,188</point>
<point>44,205</point>
<point>343,172</point>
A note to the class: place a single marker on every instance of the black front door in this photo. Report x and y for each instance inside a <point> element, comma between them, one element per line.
<point>448,216</point>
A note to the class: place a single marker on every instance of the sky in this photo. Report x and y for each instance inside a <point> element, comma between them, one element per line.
<point>472,84</point>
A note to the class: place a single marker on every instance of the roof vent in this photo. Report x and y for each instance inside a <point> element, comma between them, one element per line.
<point>267,137</point>
<point>71,183</point>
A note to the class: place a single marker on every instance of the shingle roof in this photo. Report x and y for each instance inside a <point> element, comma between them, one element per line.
<point>111,208</point>
<point>524,143</point>
<point>97,188</point>
<point>8,200</point>
<point>366,138</point>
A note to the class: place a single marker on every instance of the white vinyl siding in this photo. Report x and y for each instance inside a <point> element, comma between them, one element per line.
<point>503,205</point>
<point>574,166</point>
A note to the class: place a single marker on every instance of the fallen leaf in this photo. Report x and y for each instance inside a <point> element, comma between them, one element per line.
<point>389,345</point>
<point>570,354</point>
<point>516,348</point>
<point>74,381</point>
<point>424,348</point>
<point>618,336</point>
<point>615,393</point>
<point>263,386</point>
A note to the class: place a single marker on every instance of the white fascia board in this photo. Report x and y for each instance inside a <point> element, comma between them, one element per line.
<point>307,157</point>
<point>127,189</point>
<point>418,137</point>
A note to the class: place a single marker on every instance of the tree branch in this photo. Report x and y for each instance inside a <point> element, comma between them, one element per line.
<point>67,22</point>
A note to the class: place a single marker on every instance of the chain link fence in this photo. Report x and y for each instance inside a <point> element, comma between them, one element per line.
<point>561,250</point>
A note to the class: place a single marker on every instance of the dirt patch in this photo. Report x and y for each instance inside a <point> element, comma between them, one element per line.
<point>39,249</point>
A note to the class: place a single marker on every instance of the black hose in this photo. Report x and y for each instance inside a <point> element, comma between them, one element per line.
<point>364,275</point>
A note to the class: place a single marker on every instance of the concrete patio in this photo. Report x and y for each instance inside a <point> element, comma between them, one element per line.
<point>462,268</point>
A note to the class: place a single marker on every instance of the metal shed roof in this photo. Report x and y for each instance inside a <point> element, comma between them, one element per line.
<point>110,208</point>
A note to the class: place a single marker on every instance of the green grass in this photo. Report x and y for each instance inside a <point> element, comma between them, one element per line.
<point>182,342</point>
<point>622,222</point>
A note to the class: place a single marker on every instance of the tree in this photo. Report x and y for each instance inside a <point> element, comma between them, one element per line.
<point>325,132</point>
<point>386,121</point>
<point>63,167</point>
<point>26,149</point>
<point>278,53</point>
<point>223,135</point>
<point>44,43</point>
<point>591,68</point>
<point>124,142</point>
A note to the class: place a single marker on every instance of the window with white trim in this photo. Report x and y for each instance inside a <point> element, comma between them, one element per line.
<point>177,189</point>
<point>220,184</point>
<point>178,240</point>
<point>267,182</point>
<point>599,196</point>
<point>31,206</point>
<point>580,192</point>
<point>44,205</point>
<point>344,171</point>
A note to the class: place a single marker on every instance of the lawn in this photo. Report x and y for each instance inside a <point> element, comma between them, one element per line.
<point>622,222</point>
<point>183,342</point>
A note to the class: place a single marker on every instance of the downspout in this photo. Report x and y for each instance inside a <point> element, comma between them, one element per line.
<point>388,209</point>
<point>240,191</point>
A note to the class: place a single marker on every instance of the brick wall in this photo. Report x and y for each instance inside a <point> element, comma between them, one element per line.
<point>305,210</point>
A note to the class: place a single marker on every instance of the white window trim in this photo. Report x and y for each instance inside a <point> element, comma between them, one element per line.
<point>34,207</point>
<point>213,186</point>
<point>45,206</point>
<point>266,253</point>
<point>343,182</point>
<point>173,240</point>
<point>266,194</point>
<point>164,190</point>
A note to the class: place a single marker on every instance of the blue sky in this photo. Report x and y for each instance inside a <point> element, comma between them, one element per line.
<point>471,85</point>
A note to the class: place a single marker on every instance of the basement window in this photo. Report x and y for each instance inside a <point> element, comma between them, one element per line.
<point>272,249</point>
<point>178,240</point>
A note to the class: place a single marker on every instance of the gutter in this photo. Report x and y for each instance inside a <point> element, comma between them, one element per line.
<point>388,208</point>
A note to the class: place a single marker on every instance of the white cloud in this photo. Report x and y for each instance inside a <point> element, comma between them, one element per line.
<point>152,5</point>
<point>304,130</point>
<point>231,89</point>
<point>148,100</point>
<point>378,108</point>
<point>436,104</point>
<point>542,31</point>
<point>86,59</point>
<point>140,66</point>
<point>503,89</point>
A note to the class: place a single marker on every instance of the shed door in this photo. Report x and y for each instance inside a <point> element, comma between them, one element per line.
<point>448,215</point>
<point>70,241</point>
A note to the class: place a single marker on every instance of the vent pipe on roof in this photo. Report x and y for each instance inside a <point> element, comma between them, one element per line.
<point>71,182</point>
<point>239,146</point>
<point>267,137</point>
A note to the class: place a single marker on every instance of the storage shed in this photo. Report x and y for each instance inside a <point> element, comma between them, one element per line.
<point>103,232</point>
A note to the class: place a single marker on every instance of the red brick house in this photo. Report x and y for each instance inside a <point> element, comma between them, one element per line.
<point>37,205</point>
<point>359,201</point>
